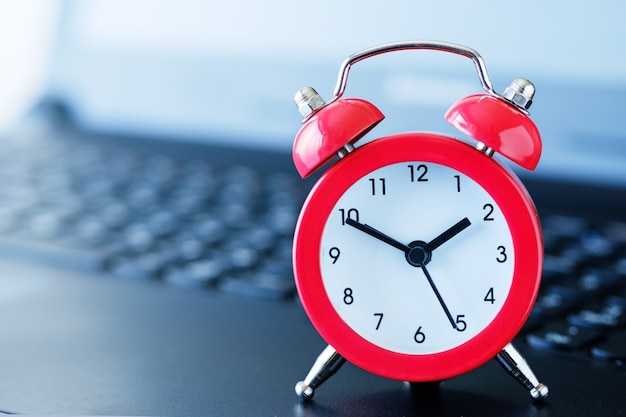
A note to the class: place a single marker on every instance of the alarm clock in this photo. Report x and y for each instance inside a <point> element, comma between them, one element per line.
<point>418,256</point>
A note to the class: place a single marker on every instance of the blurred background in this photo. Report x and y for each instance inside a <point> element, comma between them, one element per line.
<point>27,33</point>
<point>221,72</point>
<point>228,70</point>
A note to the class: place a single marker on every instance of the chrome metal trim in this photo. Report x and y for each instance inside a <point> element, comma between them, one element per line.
<point>407,45</point>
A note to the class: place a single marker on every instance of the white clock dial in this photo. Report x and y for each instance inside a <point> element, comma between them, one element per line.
<point>424,264</point>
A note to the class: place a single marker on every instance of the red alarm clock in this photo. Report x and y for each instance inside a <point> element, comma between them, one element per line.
<point>418,256</point>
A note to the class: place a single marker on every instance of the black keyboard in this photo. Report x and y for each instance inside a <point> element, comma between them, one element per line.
<point>581,309</point>
<point>149,216</point>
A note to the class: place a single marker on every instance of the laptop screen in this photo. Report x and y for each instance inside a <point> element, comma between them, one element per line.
<point>227,71</point>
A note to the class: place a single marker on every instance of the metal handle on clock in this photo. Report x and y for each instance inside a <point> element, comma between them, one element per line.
<point>344,70</point>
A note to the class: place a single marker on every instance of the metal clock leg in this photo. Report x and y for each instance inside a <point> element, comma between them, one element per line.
<point>515,364</point>
<point>325,366</point>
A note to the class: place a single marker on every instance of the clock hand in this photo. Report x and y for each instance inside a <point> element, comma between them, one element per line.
<point>431,246</point>
<point>378,235</point>
<point>447,235</point>
<point>418,254</point>
<point>436,291</point>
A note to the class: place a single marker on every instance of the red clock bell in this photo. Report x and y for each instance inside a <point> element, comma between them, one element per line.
<point>418,256</point>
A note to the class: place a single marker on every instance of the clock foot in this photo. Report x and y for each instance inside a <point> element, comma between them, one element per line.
<point>429,390</point>
<point>325,366</point>
<point>515,364</point>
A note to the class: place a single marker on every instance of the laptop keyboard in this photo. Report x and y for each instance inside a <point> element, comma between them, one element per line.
<point>581,308</point>
<point>184,222</point>
<point>189,223</point>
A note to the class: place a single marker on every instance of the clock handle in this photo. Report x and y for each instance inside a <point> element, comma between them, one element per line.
<point>454,48</point>
<point>325,366</point>
<point>515,364</point>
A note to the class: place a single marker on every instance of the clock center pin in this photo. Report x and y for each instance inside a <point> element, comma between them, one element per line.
<point>418,255</point>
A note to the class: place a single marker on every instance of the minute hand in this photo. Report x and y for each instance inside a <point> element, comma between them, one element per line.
<point>447,235</point>
<point>378,235</point>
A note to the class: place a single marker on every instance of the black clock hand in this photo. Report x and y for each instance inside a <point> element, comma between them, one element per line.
<point>434,244</point>
<point>436,291</point>
<point>447,235</point>
<point>431,246</point>
<point>378,235</point>
<point>420,252</point>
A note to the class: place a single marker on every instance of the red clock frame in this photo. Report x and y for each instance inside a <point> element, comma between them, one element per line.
<point>508,193</point>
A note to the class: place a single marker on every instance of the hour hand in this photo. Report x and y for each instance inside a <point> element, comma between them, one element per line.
<point>378,235</point>
<point>447,235</point>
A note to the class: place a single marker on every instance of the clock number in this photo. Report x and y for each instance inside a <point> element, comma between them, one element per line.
<point>334,253</point>
<point>418,174</point>
<point>502,258</point>
<point>347,296</point>
<point>489,209</point>
<point>380,319</point>
<point>461,325</point>
<point>383,190</point>
<point>419,336</point>
<point>349,214</point>
<point>489,298</point>
<point>458,183</point>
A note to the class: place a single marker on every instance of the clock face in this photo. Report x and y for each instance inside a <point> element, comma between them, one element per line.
<point>416,257</point>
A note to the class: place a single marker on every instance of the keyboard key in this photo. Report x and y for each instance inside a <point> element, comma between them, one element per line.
<point>564,226</point>
<point>558,267</point>
<point>597,281</point>
<point>196,274</point>
<point>138,239</point>
<point>588,285</point>
<point>597,245</point>
<point>562,337</point>
<point>613,349</point>
<point>45,225</point>
<point>208,229</point>
<point>620,267</point>
<point>189,249</point>
<point>608,317</point>
<point>618,299</point>
<point>115,215</point>
<point>91,230</point>
<point>162,223</point>
<point>555,301</point>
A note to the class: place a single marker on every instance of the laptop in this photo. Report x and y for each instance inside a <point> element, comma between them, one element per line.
<point>149,202</point>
